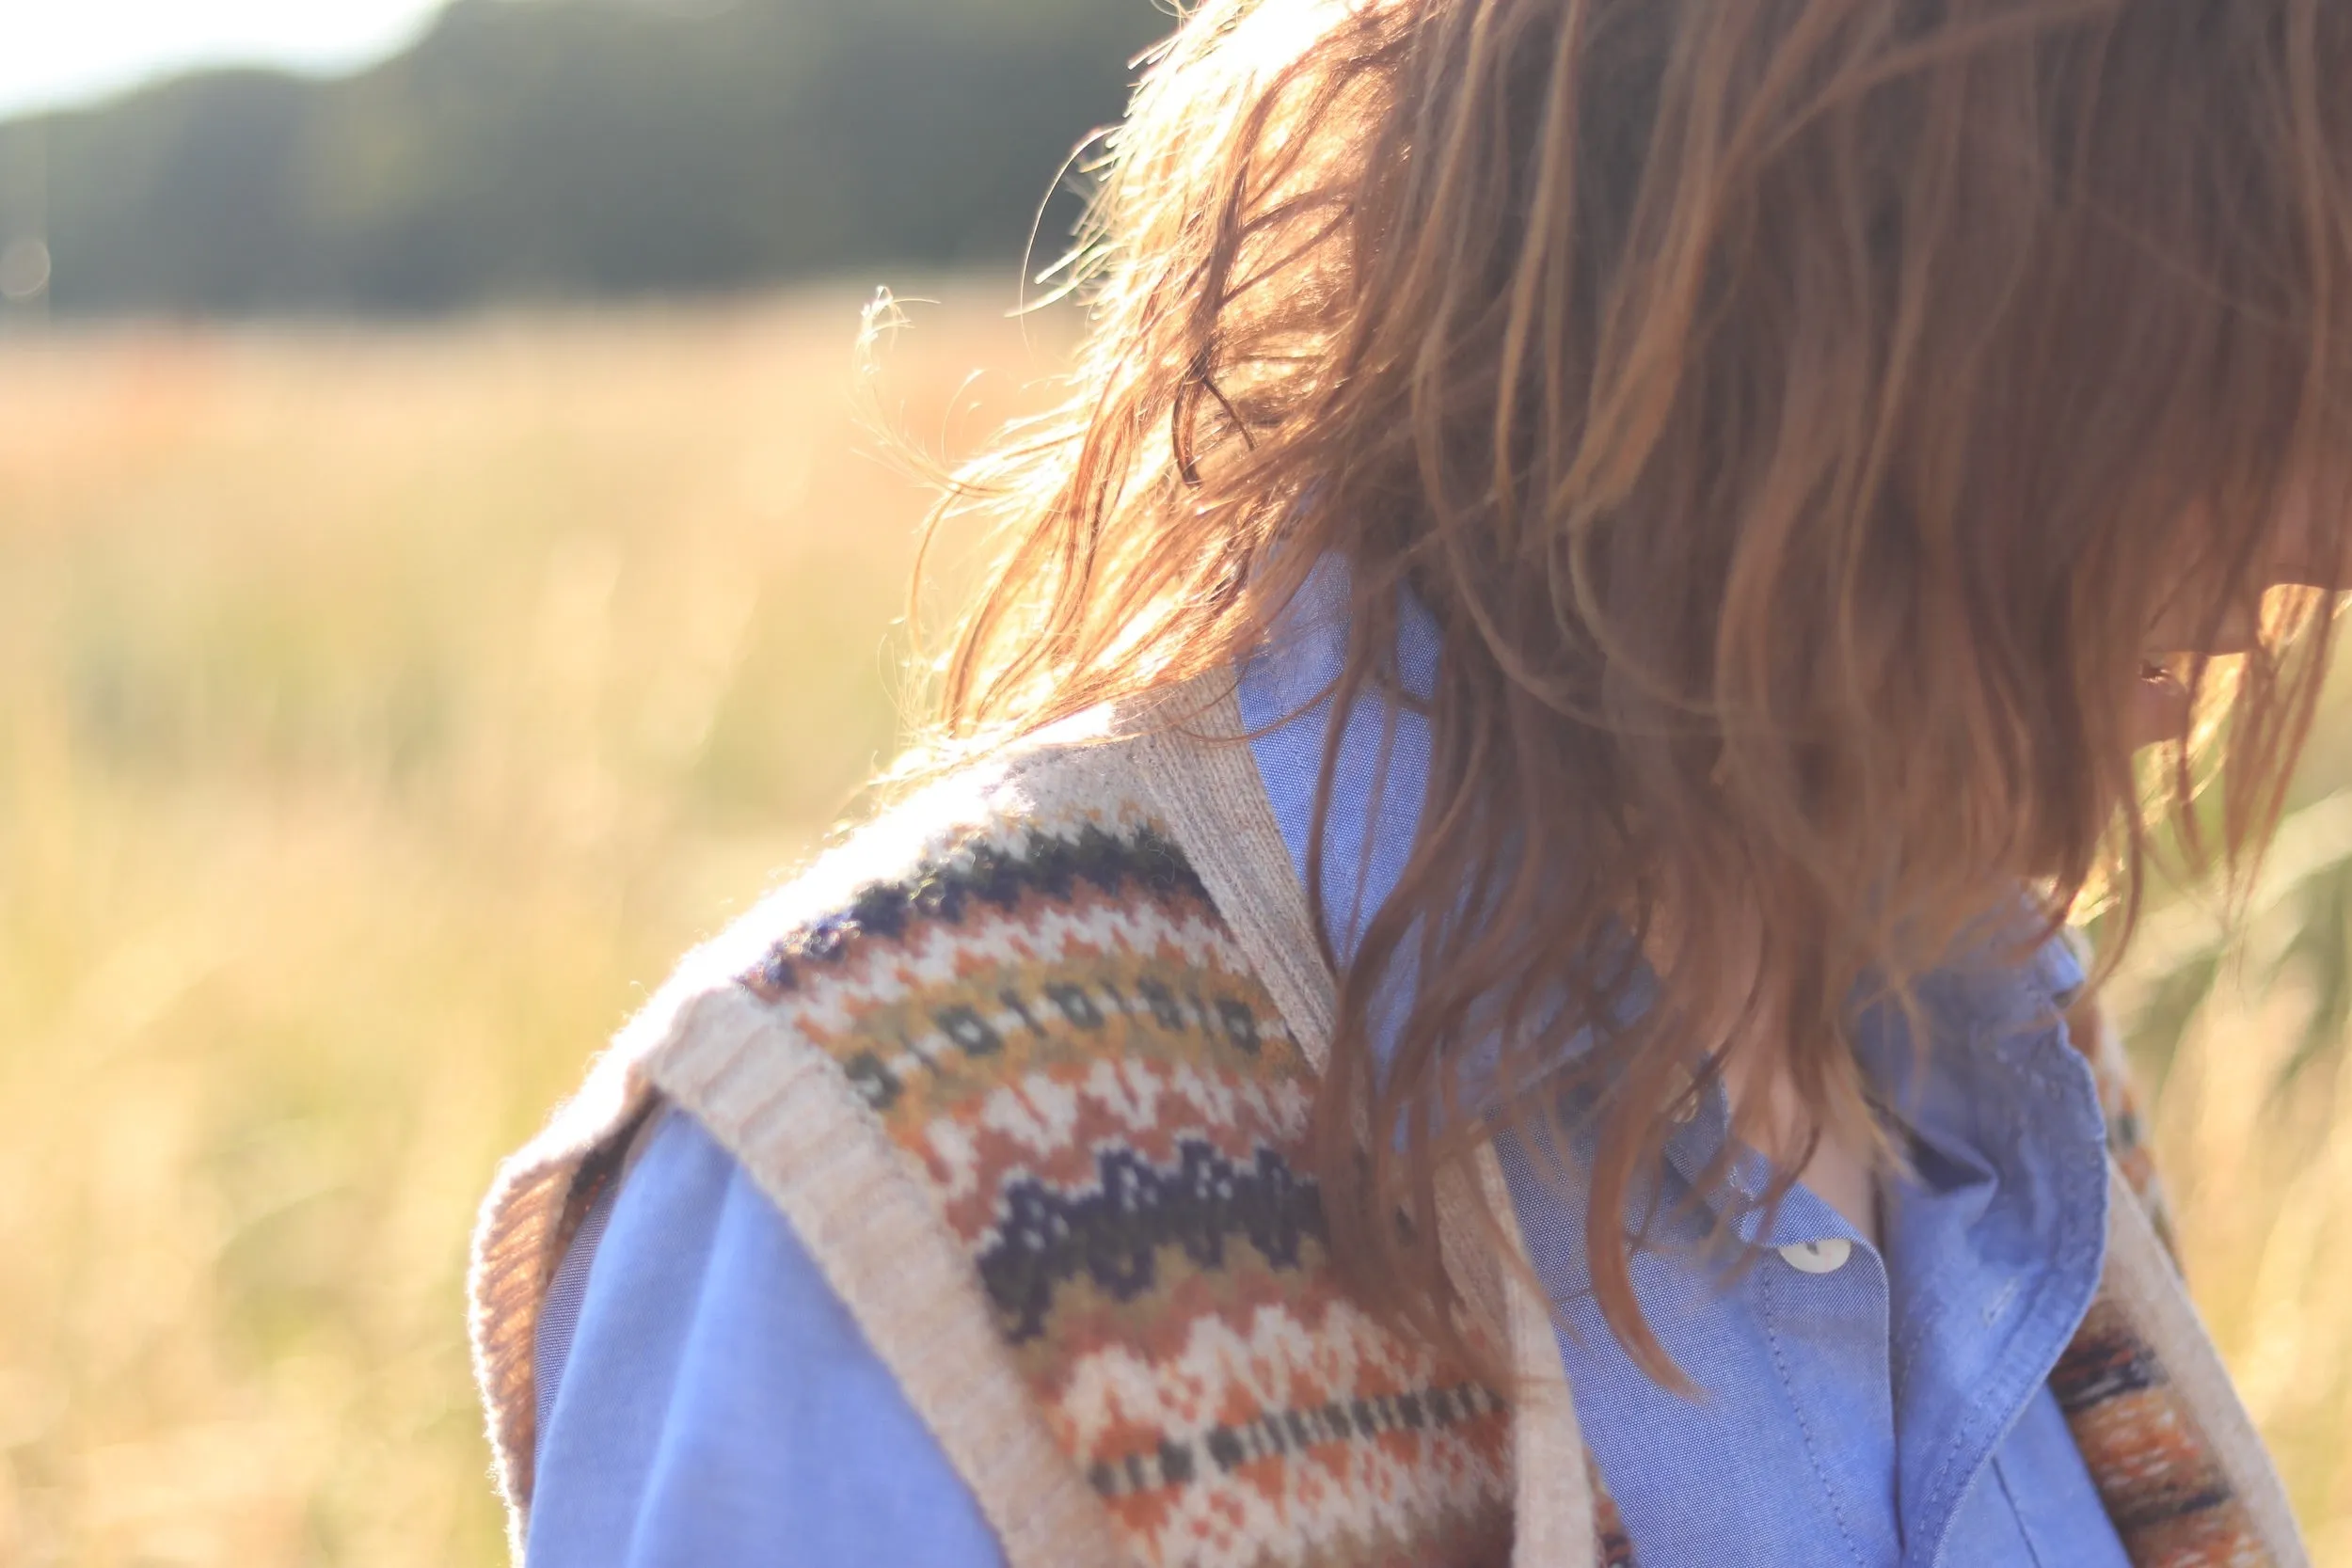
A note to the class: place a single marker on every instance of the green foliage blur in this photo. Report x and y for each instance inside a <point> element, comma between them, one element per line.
<point>566,149</point>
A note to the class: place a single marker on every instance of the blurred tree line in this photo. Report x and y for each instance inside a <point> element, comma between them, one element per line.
<point>564,147</point>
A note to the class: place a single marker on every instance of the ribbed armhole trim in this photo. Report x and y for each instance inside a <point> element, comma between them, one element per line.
<point>2141,1278</point>
<point>514,1246</point>
<point>781,1106</point>
<point>1205,781</point>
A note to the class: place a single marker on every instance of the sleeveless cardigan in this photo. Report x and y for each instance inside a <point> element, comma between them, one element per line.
<point>1027,1064</point>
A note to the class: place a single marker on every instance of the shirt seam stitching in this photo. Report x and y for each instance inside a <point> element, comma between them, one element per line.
<point>1812,1452</point>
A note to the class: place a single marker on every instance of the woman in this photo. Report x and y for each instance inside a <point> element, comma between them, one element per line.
<point>1477,973</point>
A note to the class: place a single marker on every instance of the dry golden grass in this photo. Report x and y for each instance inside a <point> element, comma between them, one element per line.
<point>379,713</point>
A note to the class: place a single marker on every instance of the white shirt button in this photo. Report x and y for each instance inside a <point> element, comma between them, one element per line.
<point>1826,1256</point>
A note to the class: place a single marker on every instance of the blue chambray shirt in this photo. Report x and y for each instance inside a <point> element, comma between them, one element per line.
<point>1883,1410</point>
<point>705,1399</point>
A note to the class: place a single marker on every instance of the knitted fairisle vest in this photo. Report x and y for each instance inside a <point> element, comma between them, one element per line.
<point>1026,1065</point>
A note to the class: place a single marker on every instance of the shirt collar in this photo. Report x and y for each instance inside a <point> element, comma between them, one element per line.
<point>1996,1031</point>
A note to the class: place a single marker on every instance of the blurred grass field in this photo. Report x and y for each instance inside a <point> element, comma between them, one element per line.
<point>380,712</point>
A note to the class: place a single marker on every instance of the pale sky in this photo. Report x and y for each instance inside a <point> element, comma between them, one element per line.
<point>59,52</point>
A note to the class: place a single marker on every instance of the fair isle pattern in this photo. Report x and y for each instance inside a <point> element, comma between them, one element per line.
<point>2168,1499</point>
<point>1052,1022</point>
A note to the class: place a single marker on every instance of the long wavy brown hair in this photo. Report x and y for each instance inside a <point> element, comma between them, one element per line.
<point>1793,415</point>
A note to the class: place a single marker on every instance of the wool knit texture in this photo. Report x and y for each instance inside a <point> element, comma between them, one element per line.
<point>1056,1026</point>
<point>1069,1060</point>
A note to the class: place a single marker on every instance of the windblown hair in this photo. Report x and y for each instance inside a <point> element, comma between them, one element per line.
<point>1792,414</point>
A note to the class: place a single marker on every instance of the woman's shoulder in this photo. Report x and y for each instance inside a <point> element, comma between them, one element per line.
<point>1006,1073</point>
<point>1018,922</point>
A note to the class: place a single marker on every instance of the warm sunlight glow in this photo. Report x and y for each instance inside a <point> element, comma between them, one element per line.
<point>53,56</point>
